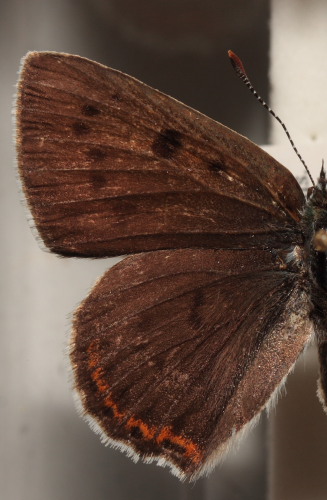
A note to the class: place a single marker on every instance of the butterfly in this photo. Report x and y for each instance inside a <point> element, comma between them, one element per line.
<point>181,345</point>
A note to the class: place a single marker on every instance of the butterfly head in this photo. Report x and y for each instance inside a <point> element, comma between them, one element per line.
<point>317,212</point>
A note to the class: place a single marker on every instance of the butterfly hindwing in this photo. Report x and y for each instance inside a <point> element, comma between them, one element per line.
<point>111,166</point>
<point>168,344</point>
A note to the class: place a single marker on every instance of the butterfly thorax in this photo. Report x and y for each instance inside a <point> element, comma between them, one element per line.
<point>315,230</point>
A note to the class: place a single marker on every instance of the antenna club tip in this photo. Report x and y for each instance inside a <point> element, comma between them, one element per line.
<point>233,57</point>
<point>236,62</point>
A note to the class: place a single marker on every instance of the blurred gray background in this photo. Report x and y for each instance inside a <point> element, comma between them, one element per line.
<point>178,46</point>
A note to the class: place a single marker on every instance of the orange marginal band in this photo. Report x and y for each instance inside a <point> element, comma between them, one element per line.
<point>192,452</point>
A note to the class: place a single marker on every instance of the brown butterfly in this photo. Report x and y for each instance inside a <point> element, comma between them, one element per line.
<point>179,348</point>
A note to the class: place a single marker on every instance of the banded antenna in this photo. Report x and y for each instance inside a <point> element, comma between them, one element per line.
<point>241,73</point>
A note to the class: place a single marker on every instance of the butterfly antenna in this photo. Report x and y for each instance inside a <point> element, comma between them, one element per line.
<point>241,73</point>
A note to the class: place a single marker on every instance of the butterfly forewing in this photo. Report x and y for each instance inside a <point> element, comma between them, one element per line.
<point>124,168</point>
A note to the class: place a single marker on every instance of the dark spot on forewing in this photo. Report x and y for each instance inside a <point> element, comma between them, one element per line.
<point>81,128</point>
<point>90,110</point>
<point>116,97</point>
<point>167,143</point>
<point>216,166</point>
<point>98,179</point>
<point>97,154</point>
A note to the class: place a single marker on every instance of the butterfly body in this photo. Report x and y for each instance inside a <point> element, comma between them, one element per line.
<point>227,281</point>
